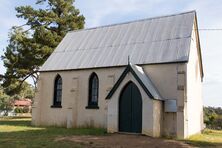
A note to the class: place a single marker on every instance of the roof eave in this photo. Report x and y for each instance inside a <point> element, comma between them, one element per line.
<point>116,85</point>
<point>199,47</point>
<point>172,62</point>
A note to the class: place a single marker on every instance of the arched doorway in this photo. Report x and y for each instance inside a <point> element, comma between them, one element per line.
<point>130,109</point>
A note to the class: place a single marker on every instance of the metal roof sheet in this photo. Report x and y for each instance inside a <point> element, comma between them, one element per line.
<point>142,78</point>
<point>155,40</point>
<point>146,81</point>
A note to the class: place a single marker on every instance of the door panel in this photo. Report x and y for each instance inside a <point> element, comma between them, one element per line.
<point>125,110</point>
<point>136,110</point>
<point>130,109</point>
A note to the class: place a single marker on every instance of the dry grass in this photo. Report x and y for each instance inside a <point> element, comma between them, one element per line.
<point>18,132</point>
<point>209,138</point>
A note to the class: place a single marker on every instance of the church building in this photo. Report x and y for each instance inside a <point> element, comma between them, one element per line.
<point>143,76</point>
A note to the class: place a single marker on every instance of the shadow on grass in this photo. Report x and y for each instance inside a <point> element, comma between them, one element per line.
<point>45,136</point>
<point>41,136</point>
<point>208,138</point>
<point>15,122</point>
<point>203,143</point>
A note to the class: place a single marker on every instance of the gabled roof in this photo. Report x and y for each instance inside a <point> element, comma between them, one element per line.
<point>157,40</point>
<point>142,79</point>
<point>23,102</point>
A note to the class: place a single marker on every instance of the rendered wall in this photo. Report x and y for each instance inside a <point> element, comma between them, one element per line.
<point>151,111</point>
<point>165,79</point>
<point>194,90</point>
<point>75,98</point>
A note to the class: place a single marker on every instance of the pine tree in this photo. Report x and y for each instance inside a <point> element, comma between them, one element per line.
<point>32,43</point>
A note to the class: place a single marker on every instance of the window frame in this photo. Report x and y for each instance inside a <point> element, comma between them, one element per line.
<point>57,102</point>
<point>93,91</point>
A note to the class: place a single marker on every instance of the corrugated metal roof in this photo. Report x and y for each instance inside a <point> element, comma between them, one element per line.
<point>142,78</point>
<point>155,40</point>
<point>147,82</point>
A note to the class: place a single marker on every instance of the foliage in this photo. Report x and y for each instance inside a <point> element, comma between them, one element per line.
<point>21,110</point>
<point>32,43</point>
<point>18,132</point>
<point>18,110</point>
<point>209,138</point>
<point>213,117</point>
<point>28,91</point>
<point>25,109</point>
<point>5,102</point>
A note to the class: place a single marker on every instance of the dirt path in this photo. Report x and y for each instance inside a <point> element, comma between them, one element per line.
<point>124,141</point>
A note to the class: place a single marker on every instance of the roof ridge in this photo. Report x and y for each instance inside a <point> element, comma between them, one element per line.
<point>133,21</point>
<point>131,39</point>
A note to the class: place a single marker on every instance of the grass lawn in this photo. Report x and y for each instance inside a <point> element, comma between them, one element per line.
<point>209,138</point>
<point>18,132</point>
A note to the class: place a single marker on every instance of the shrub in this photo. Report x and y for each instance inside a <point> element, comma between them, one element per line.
<point>213,117</point>
<point>25,109</point>
<point>18,110</point>
<point>217,123</point>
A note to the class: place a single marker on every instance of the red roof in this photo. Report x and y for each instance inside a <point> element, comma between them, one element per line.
<point>24,102</point>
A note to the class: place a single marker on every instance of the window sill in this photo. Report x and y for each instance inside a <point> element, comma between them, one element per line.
<point>56,106</point>
<point>92,107</point>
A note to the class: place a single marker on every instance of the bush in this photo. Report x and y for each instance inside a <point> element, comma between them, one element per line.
<point>213,117</point>
<point>22,110</point>
<point>18,110</point>
<point>217,123</point>
<point>25,109</point>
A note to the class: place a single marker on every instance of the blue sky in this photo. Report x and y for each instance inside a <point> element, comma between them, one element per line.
<point>102,12</point>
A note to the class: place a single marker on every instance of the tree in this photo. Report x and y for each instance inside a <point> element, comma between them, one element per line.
<point>27,91</point>
<point>6,103</point>
<point>32,43</point>
<point>213,117</point>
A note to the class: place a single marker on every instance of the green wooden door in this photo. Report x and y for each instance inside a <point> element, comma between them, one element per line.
<point>130,109</point>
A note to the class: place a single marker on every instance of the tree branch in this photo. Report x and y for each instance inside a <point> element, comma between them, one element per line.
<point>30,74</point>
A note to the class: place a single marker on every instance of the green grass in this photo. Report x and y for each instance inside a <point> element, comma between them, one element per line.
<point>18,132</point>
<point>209,138</point>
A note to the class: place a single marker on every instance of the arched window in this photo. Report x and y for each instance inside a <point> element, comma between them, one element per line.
<point>57,91</point>
<point>93,91</point>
